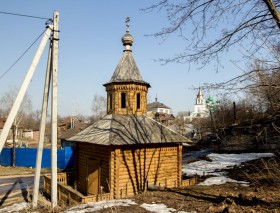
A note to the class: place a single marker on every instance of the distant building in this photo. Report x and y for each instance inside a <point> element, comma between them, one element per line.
<point>69,127</point>
<point>200,107</point>
<point>32,134</point>
<point>160,112</point>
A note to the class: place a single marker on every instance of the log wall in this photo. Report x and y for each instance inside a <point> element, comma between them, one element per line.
<point>134,169</point>
<point>131,90</point>
<point>85,151</point>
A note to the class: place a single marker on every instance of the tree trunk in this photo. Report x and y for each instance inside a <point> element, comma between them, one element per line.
<point>273,11</point>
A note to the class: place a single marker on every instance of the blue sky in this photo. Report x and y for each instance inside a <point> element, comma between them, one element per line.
<point>90,47</point>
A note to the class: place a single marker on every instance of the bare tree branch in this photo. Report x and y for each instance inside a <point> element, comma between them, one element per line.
<point>232,22</point>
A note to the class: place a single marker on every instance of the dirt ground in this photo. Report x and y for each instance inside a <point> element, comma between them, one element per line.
<point>10,171</point>
<point>261,196</point>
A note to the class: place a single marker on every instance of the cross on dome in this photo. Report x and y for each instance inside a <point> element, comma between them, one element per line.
<point>127,39</point>
<point>127,20</point>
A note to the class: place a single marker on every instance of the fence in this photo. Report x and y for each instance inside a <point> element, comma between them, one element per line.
<point>26,157</point>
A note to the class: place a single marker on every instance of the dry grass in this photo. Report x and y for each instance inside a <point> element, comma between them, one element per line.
<point>10,171</point>
<point>258,172</point>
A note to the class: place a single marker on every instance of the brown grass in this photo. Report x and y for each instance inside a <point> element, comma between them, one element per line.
<point>10,171</point>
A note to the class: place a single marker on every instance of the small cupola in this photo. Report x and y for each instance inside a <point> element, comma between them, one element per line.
<point>126,90</point>
<point>127,39</point>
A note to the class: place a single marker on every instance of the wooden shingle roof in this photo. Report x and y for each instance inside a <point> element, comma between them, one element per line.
<point>127,71</point>
<point>128,130</point>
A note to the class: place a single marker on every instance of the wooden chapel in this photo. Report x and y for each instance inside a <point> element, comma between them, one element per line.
<point>126,151</point>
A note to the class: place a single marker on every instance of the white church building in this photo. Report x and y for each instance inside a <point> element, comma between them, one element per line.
<point>200,107</point>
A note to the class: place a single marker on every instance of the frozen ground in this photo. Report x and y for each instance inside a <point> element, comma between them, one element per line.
<point>91,207</point>
<point>213,167</point>
<point>217,163</point>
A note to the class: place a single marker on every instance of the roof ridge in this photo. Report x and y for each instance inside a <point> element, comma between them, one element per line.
<point>166,127</point>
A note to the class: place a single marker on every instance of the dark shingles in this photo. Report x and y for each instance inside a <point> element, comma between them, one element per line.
<point>127,130</point>
<point>127,71</point>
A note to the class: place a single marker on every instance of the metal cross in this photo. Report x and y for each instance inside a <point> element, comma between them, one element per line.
<point>127,23</point>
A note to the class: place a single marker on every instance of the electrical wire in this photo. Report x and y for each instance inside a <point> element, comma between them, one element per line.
<point>29,16</point>
<point>21,55</point>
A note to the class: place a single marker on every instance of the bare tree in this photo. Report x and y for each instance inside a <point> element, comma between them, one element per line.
<point>98,107</point>
<point>227,22</point>
<point>265,87</point>
<point>7,101</point>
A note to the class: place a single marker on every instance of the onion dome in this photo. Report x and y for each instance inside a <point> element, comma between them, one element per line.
<point>209,99</point>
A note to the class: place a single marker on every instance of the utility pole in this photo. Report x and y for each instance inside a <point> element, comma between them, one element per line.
<point>73,117</point>
<point>50,80</point>
<point>54,110</point>
<point>42,131</point>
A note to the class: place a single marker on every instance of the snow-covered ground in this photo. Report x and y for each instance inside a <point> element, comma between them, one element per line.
<point>91,207</point>
<point>217,163</point>
<point>214,167</point>
<point>14,208</point>
<point>97,206</point>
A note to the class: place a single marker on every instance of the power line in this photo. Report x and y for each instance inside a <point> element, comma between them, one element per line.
<point>29,16</point>
<point>21,55</point>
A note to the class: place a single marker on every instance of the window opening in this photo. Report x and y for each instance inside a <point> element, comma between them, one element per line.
<point>138,101</point>
<point>123,100</point>
<point>110,101</point>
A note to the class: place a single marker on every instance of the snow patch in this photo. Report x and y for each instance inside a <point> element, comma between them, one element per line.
<point>14,208</point>
<point>97,206</point>
<point>160,208</point>
<point>221,180</point>
<point>219,162</point>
